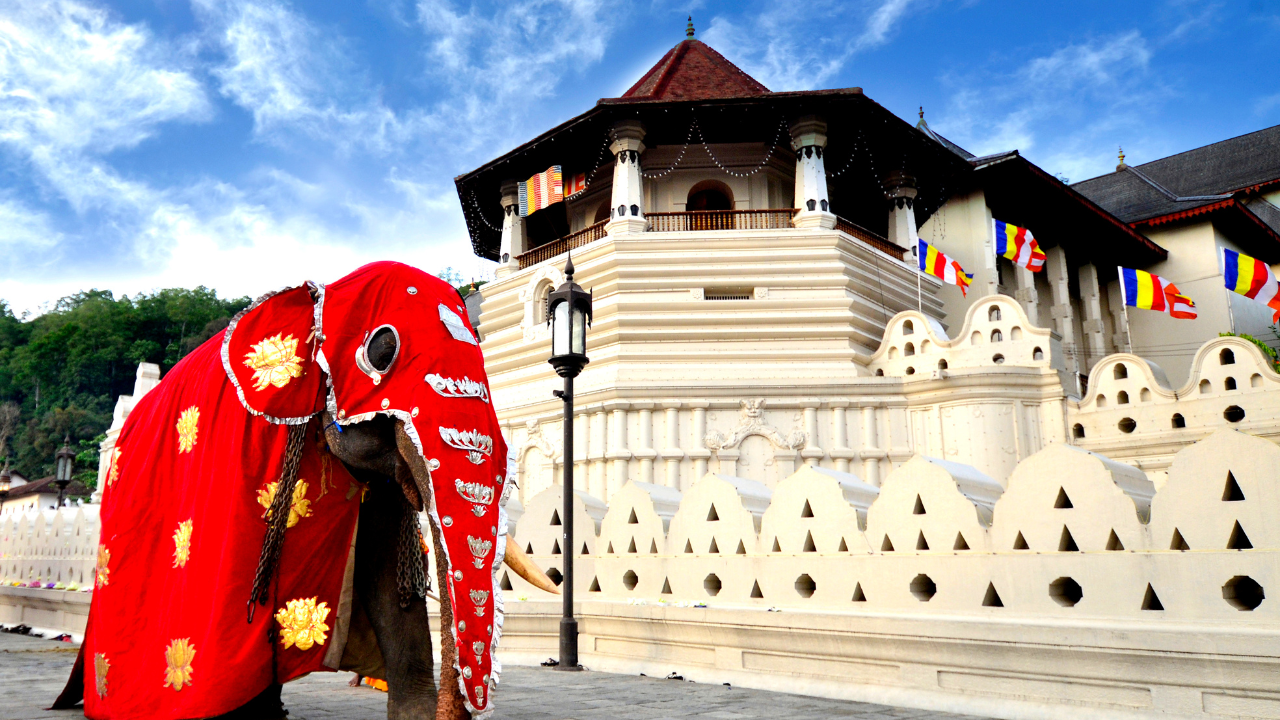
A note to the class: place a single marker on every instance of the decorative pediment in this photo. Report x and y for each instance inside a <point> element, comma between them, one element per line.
<point>752,422</point>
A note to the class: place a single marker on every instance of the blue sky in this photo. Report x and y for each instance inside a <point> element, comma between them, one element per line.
<point>250,144</point>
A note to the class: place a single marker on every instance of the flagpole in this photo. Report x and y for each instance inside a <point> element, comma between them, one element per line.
<point>1124,305</point>
<point>1231,313</point>
<point>915,252</point>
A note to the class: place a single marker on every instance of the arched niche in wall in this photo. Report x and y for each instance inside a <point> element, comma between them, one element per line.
<point>710,195</point>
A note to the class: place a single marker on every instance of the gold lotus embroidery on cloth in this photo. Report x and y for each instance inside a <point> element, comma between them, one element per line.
<point>188,426</point>
<point>103,574</point>
<point>100,667</point>
<point>302,623</point>
<point>299,505</point>
<point>179,655</point>
<point>274,361</point>
<point>115,466</point>
<point>182,544</point>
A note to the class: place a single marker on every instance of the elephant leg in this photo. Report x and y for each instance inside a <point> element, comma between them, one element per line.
<point>452,706</point>
<point>403,634</point>
<point>265,706</point>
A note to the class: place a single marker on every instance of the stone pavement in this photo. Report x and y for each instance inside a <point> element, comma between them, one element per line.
<point>32,673</point>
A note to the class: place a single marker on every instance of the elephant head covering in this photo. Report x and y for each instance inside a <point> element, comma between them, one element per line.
<point>193,484</point>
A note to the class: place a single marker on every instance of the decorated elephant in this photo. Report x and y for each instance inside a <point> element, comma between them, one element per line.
<point>260,516</point>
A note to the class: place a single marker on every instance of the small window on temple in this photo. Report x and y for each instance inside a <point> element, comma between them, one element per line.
<point>1178,421</point>
<point>1226,357</point>
<point>1121,372</point>
<point>993,315</point>
<point>909,349</point>
<point>710,195</point>
<point>996,336</point>
<point>908,328</point>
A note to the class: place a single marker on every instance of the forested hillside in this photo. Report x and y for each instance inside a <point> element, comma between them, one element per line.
<point>60,372</point>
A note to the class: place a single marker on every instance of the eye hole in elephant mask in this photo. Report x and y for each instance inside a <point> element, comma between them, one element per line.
<point>379,352</point>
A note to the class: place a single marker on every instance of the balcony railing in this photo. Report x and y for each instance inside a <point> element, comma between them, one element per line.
<point>695,220</point>
<point>563,245</point>
<point>870,238</point>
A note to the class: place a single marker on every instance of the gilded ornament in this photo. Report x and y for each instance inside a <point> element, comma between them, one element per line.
<point>274,361</point>
<point>182,544</point>
<point>100,667</point>
<point>115,466</point>
<point>188,426</point>
<point>478,647</point>
<point>479,549</point>
<point>479,597</point>
<point>302,623</point>
<point>103,573</point>
<point>299,506</point>
<point>179,655</point>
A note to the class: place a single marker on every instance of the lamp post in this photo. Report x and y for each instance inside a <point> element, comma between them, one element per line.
<point>5,478</point>
<point>64,461</point>
<point>569,312</point>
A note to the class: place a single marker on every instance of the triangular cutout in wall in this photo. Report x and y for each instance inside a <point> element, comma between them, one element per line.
<point>1063,501</point>
<point>919,508</point>
<point>742,549</point>
<point>1238,539</point>
<point>1151,601</point>
<point>960,543</point>
<point>887,545</point>
<point>844,546</point>
<point>633,520</point>
<point>1177,543</point>
<point>1020,543</point>
<point>755,590</point>
<point>807,512</point>
<point>714,547</point>
<point>632,547</point>
<point>921,543</point>
<point>992,598</point>
<point>528,549</point>
<point>1232,492</point>
<point>653,547</point>
<point>555,517</point>
<point>595,585</point>
<point>585,551</point>
<point>858,595</point>
<point>1067,543</point>
<point>777,547</point>
<point>666,586</point>
<point>506,581</point>
<point>1113,542</point>
<point>808,543</point>
<point>555,547</point>
<point>712,515</point>
<point>688,546</point>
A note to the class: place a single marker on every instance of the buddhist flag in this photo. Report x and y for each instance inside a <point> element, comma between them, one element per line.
<point>575,185</point>
<point>541,190</point>
<point>1018,245</point>
<point>1252,279</point>
<point>1152,292</point>
<point>934,263</point>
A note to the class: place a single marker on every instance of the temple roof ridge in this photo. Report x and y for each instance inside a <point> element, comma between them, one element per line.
<point>692,70</point>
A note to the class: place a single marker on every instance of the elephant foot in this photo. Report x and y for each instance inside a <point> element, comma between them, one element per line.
<point>267,705</point>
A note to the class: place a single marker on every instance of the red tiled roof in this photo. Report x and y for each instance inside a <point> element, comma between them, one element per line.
<point>693,71</point>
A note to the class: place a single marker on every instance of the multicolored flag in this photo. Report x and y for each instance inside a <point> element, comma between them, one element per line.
<point>575,185</point>
<point>935,263</point>
<point>1018,245</point>
<point>1143,290</point>
<point>541,190</point>
<point>1251,278</point>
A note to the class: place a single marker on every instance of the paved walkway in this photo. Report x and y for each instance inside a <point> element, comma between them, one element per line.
<point>33,671</point>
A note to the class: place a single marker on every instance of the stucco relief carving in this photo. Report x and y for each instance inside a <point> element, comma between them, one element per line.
<point>752,423</point>
<point>532,295</point>
<point>533,438</point>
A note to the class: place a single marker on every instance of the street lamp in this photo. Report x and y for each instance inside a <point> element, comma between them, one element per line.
<point>569,314</point>
<point>64,461</point>
<point>5,478</point>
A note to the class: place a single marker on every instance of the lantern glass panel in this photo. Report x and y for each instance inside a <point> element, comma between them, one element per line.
<point>560,329</point>
<point>579,339</point>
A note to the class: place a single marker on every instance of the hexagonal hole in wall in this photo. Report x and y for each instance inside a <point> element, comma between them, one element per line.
<point>1243,593</point>
<point>923,588</point>
<point>629,579</point>
<point>1065,591</point>
<point>805,586</point>
<point>555,576</point>
<point>1233,414</point>
<point>1127,425</point>
<point>712,585</point>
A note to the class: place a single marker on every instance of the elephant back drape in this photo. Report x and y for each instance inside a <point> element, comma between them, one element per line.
<point>185,503</point>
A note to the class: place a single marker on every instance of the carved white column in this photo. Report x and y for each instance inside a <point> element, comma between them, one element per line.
<point>698,445</point>
<point>581,449</point>
<point>645,452</point>
<point>1026,294</point>
<point>840,449</point>
<point>513,239</point>
<point>671,453</point>
<point>1115,301</point>
<point>900,192</point>
<point>627,213</point>
<point>618,452</point>
<point>1095,335</point>
<point>871,454</point>
<point>1061,312</point>
<point>809,139</point>
<point>812,452</point>
<point>597,469</point>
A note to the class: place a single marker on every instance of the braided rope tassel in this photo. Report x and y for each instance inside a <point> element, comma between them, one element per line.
<point>277,517</point>
<point>411,573</point>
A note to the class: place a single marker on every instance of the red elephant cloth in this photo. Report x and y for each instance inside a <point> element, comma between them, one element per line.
<point>196,466</point>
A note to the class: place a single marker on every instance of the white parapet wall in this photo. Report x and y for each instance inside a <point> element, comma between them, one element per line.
<point>47,564</point>
<point>1078,591</point>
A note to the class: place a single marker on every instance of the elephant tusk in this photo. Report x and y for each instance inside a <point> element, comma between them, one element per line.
<point>527,569</point>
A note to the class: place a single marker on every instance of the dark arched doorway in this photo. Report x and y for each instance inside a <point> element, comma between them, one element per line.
<point>710,204</point>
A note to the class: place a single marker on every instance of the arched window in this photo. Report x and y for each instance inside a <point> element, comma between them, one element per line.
<point>1229,384</point>
<point>1255,381</point>
<point>1077,431</point>
<point>1178,421</point>
<point>1015,333</point>
<point>602,212</point>
<point>893,353</point>
<point>1037,354</point>
<point>1226,357</point>
<point>908,328</point>
<point>993,314</point>
<point>1121,372</point>
<point>1102,401</point>
<point>1145,395</point>
<point>942,364</point>
<point>710,195</point>
<point>1122,398</point>
<point>909,349</point>
<point>976,338</point>
<point>1205,387</point>
<point>541,297</point>
<point>996,336</point>
<point>924,348</point>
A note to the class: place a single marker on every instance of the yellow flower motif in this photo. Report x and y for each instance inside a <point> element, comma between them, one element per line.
<point>274,361</point>
<point>100,667</point>
<point>179,655</point>
<point>302,623</point>
<point>188,425</point>
<point>104,557</point>
<point>182,544</point>
<point>115,466</point>
<point>299,507</point>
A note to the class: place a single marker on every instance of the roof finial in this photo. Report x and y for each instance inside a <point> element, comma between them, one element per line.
<point>688,31</point>
<point>921,112</point>
<point>1121,166</point>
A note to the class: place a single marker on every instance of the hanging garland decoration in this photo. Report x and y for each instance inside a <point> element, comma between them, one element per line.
<point>782,125</point>
<point>687,139</point>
